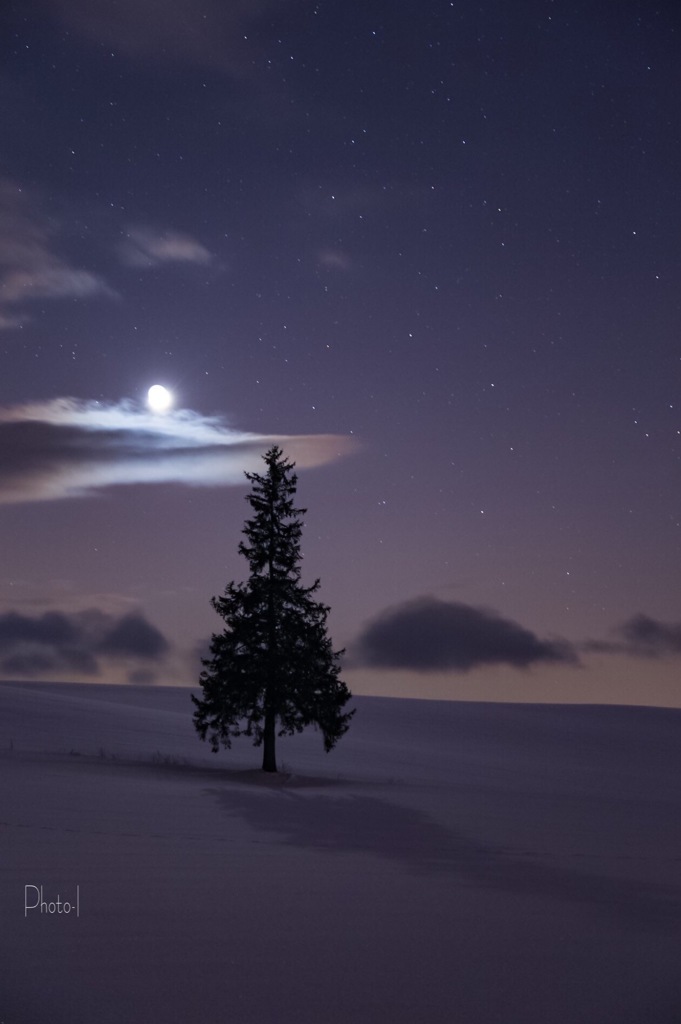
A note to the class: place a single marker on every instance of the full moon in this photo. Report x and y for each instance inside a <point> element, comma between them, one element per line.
<point>159,398</point>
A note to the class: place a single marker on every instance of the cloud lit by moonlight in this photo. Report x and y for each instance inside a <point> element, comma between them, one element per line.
<point>67,448</point>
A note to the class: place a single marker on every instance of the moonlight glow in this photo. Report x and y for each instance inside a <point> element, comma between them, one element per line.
<point>159,398</point>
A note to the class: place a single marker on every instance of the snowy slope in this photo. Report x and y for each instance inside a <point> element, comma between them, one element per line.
<point>515,864</point>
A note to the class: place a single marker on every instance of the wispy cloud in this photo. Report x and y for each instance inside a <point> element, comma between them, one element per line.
<point>214,35</point>
<point>146,247</point>
<point>9,321</point>
<point>430,635</point>
<point>66,448</point>
<point>82,643</point>
<point>30,266</point>
<point>334,259</point>
<point>53,282</point>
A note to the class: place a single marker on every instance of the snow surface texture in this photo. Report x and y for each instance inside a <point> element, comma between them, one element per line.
<point>454,863</point>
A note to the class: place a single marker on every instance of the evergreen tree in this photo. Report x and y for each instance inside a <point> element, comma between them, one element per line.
<point>272,670</point>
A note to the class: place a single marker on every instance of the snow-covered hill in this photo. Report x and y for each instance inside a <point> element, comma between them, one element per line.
<point>449,862</point>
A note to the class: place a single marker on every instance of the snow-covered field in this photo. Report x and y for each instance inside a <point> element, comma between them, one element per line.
<point>449,862</point>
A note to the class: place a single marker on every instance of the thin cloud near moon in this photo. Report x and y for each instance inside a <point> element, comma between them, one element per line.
<point>66,448</point>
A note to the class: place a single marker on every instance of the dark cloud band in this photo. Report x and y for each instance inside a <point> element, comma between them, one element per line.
<point>429,635</point>
<point>643,637</point>
<point>79,643</point>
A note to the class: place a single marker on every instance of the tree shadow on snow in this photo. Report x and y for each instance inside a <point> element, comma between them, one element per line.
<point>366,825</point>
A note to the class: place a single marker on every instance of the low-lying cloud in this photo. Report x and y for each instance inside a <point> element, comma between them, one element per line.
<point>82,643</point>
<point>430,635</point>
<point>67,448</point>
<point>642,637</point>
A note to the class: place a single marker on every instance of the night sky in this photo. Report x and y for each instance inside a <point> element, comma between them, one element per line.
<point>432,250</point>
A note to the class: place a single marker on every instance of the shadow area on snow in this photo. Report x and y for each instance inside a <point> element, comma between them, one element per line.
<point>321,813</point>
<point>367,825</point>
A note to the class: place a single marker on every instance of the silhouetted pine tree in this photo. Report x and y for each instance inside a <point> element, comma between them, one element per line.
<point>272,670</point>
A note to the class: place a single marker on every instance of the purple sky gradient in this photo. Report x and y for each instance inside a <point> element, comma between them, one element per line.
<point>432,251</point>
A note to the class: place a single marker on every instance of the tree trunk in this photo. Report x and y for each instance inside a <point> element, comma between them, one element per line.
<point>269,760</point>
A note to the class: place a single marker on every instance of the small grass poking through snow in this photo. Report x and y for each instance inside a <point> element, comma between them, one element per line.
<point>169,759</point>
